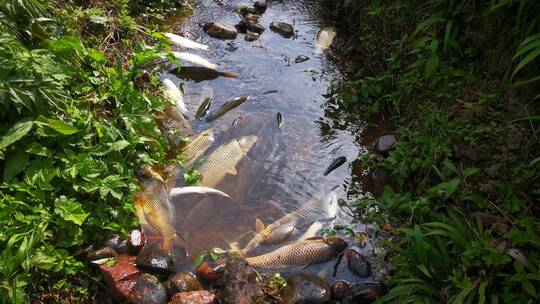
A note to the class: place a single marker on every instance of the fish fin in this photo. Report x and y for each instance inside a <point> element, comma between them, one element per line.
<point>259,225</point>
<point>182,88</point>
<point>229,75</point>
<point>232,171</point>
<point>196,190</point>
<point>314,238</point>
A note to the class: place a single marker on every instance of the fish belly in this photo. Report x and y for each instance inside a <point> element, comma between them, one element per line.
<point>295,254</point>
<point>219,163</point>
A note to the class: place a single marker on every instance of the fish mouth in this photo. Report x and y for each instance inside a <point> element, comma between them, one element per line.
<point>247,142</point>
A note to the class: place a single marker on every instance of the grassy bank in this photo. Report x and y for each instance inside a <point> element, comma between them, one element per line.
<point>462,82</point>
<point>77,105</point>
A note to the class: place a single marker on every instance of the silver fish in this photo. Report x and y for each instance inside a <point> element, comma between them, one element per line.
<point>226,107</point>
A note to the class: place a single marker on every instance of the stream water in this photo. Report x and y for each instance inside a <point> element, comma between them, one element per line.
<point>284,170</point>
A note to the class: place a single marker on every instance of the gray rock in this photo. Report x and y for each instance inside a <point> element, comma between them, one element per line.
<point>260,6</point>
<point>220,30</point>
<point>155,260</point>
<point>103,253</point>
<point>305,288</point>
<point>148,290</point>
<point>255,27</point>
<point>182,282</point>
<point>301,59</point>
<point>240,284</point>
<point>385,144</point>
<point>284,29</point>
<point>117,243</point>
<point>357,262</point>
<point>363,293</point>
<point>251,36</point>
<point>251,17</point>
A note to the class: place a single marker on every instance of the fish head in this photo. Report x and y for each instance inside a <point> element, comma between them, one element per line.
<point>247,142</point>
<point>209,133</point>
<point>339,244</point>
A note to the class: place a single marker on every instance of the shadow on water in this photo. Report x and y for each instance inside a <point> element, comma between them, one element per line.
<point>284,169</point>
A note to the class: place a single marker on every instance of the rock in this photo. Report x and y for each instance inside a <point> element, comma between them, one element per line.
<point>103,253</point>
<point>301,59</point>
<point>136,241</point>
<point>194,297</point>
<point>260,6</point>
<point>240,284</point>
<point>117,243</point>
<point>284,29</point>
<point>241,27</point>
<point>82,254</point>
<point>122,276</point>
<point>339,289</point>
<point>155,260</point>
<point>182,282</point>
<point>148,290</point>
<point>251,17</point>
<point>305,288</point>
<point>385,144</point>
<point>357,262</point>
<point>231,47</point>
<point>210,272</point>
<point>363,293</point>
<point>255,27</point>
<point>251,36</point>
<point>220,30</point>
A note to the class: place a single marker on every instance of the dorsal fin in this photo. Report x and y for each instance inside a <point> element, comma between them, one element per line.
<point>259,226</point>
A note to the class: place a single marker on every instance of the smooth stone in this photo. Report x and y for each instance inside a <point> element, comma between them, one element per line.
<point>306,288</point>
<point>136,240</point>
<point>103,253</point>
<point>155,260</point>
<point>260,6</point>
<point>301,59</point>
<point>194,297</point>
<point>255,27</point>
<point>220,30</point>
<point>357,262</point>
<point>122,276</point>
<point>385,144</point>
<point>251,36</point>
<point>117,243</point>
<point>148,290</point>
<point>240,282</point>
<point>339,289</point>
<point>251,17</point>
<point>211,273</point>
<point>241,27</point>
<point>182,282</point>
<point>284,29</point>
<point>363,293</point>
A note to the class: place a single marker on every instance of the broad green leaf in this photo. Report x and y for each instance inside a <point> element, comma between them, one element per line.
<point>431,66</point>
<point>70,210</point>
<point>96,55</point>
<point>58,125</point>
<point>20,129</point>
<point>15,163</point>
<point>119,145</point>
<point>532,55</point>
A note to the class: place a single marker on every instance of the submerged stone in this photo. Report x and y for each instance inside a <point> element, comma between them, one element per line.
<point>260,6</point>
<point>363,293</point>
<point>148,290</point>
<point>117,243</point>
<point>385,144</point>
<point>240,284</point>
<point>339,289</point>
<point>284,29</point>
<point>103,253</point>
<point>182,282</point>
<point>194,297</point>
<point>155,260</point>
<point>120,276</point>
<point>211,273</point>
<point>306,288</point>
<point>357,263</point>
<point>220,30</point>
<point>251,36</point>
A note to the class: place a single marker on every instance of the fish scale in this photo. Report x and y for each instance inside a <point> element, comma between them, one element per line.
<point>198,146</point>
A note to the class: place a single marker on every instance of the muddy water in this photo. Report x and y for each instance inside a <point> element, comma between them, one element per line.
<point>285,168</point>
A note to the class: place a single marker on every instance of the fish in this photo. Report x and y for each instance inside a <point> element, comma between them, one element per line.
<point>204,107</point>
<point>198,146</point>
<point>311,231</point>
<point>175,192</point>
<point>195,59</point>
<point>155,211</point>
<point>174,94</point>
<point>226,107</point>
<point>185,42</point>
<point>336,163</point>
<point>198,74</point>
<point>300,253</point>
<point>224,159</point>
<point>325,37</point>
<point>279,118</point>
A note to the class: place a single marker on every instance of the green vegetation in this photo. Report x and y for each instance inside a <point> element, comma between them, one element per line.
<point>461,80</point>
<point>76,99</point>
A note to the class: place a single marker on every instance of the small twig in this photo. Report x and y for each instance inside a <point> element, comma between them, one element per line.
<point>503,213</point>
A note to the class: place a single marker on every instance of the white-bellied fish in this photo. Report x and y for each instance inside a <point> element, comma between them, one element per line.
<point>185,42</point>
<point>197,73</point>
<point>198,146</point>
<point>195,59</point>
<point>226,107</point>
<point>336,163</point>
<point>204,107</point>
<point>325,37</point>
<point>224,159</point>
<point>176,192</point>
<point>311,231</point>
<point>174,94</point>
<point>300,253</point>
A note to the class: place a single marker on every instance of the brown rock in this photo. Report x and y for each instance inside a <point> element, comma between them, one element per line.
<point>240,284</point>
<point>211,272</point>
<point>260,6</point>
<point>182,282</point>
<point>148,290</point>
<point>117,243</point>
<point>284,29</point>
<point>339,289</point>
<point>220,30</point>
<point>194,297</point>
<point>103,253</point>
<point>251,36</point>
<point>122,276</point>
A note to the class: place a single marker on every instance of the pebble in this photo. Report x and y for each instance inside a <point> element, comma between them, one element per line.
<point>251,36</point>
<point>155,260</point>
<point>210,273</point>
<point>220,30</point>
<point>255,27</point>
<point>117,243</point>
<point>136,241</point>
<point>385,144</point>
<point>301,59</point>
<point>148,290</point>
<point>357,262</point>
<point>305,288</point>
<point>103,253</point>
<point>362,293</point>
<point>284,29</point>
<point>240,282</point>
<point>121,276</point>
<point>194,297</point>
<point>260,6</point>
<point>182,282</point>
<point>339,289</point>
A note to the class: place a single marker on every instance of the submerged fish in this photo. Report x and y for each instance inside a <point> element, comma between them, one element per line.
<point>301,253</point>
<point>311,231</point>
<point>279,118</point>
<point>325,37</point>
<point>226,107</point>
<point>196,73</point>
<point>335,164</point>
<point>185,42</point>
<point>196,59</point>
<point>155,211</point>
<point>198,146</point>
<point>175,192</point>
<point>174,94</point>
<point>224,160</point>
<point>204,107</point>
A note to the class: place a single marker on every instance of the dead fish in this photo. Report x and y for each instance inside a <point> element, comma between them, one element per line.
<point>196,59</point>
<point>175,192</point>
<point>185,42</point>
<point>335,164</point>
<point>311,231</point>
<point>154,210</point>
<point>196,73</point>
<point>174,94</point>
<point>226,107</point>
<point>198,146</point>
<point>325,37</point>
<point>301,253</point>
<point>237,120</point>
<point>279,118</point>
<point>224,159</point>
<point>301,58</point>
<point>204,107</point>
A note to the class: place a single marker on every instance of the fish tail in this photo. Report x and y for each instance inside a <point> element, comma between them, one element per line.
<point>169,241</point>
<point>229,75</point>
